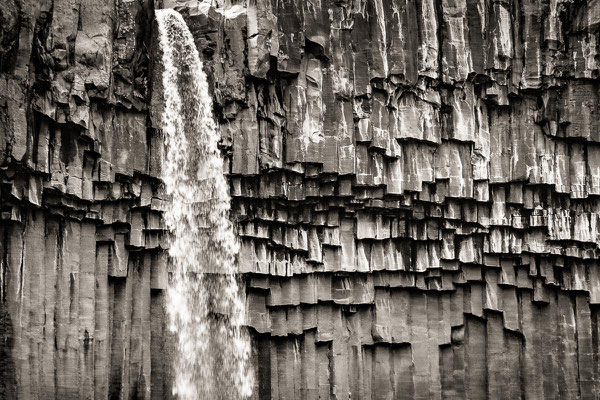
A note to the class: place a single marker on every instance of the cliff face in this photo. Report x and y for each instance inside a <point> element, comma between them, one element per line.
<point>81,271</point>
<point>415,185</point>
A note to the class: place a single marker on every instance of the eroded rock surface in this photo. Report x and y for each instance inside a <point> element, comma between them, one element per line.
<point>81,268</point>
<point>415,185</point>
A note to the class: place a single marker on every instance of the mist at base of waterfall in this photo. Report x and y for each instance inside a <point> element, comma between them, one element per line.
<point>205,301</point>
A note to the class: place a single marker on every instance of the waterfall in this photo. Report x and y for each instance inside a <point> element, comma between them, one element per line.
<point>204,302</point>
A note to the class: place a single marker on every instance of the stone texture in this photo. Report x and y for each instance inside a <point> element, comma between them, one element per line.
<point>414,186</point>
<point>80,205</point>
<point>433,203</point>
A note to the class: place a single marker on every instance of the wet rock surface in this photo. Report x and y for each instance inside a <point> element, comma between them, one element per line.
<point>414,184</point>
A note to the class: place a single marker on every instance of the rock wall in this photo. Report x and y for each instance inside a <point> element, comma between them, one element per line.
<point>81,266</point>
<point>415,185</point>
<point>416,188</point>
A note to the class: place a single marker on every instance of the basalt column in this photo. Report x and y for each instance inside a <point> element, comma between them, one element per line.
<point>414,186</point>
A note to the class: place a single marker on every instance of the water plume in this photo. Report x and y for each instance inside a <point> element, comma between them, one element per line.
<point>205,303</point>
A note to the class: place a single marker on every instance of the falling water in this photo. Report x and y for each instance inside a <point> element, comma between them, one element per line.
<point>204,302</point>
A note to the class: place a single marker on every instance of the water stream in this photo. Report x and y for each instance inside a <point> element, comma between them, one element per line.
<point>204,302</point>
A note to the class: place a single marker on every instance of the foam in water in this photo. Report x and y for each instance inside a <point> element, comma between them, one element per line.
<point>204,302</point>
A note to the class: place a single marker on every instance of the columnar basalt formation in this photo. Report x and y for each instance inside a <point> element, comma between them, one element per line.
<point>415,185</point>
<point>82,272</point>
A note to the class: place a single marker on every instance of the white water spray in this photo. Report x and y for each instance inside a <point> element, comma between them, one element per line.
<point>204,301</point>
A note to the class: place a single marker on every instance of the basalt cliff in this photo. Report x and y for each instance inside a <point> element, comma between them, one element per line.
<point>415,186</point>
